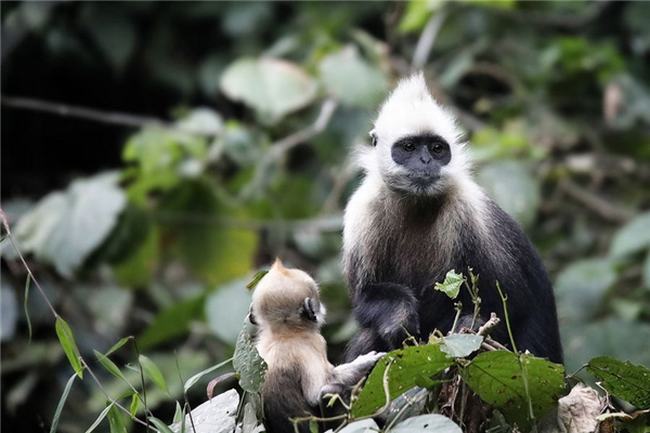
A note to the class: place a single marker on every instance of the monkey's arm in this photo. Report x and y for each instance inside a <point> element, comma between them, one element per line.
<point>345,376</point>
<point>389,309</point>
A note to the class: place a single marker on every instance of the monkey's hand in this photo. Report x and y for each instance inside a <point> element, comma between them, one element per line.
<point>400,324</point>
<point>345,376</point>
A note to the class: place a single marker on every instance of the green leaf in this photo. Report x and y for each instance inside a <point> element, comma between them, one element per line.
<point>256,279</point>
<point>135,404</point>
<point>178,414</point>
<point>451,285</point>
<point>152,371</point>
<point>117,421</point>
<point>226,308</point>
<point>226,252</point>
<point>581,287</point>
<point>192,380</point>
<point>64,228</point>
<point>66,338</point>
<point>117,346</point>
<point>624,380</point>
<point>352,80</point>
<point>427,423</point>
<point>100,418</point>
<point>62,400</point>
<point>248,363</point>
<point>161,426</point>
<point>110,366</point>
<point>272,87</point>
<point>112,30</point>
<point>408,367</point>
<point>506,381</point>
<point>511,184</point>
<point>172,322</point>
<point>632,237</point>
<point>362,426</point>
<point>606,337</point>
<point>417,13</point>
<point>461,345</point>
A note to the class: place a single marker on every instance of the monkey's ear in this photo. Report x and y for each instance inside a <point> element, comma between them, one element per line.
<point>307,311</point>
<point>373,138</point>
<point>251,316</point>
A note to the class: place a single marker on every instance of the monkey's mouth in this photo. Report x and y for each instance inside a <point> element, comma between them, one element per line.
<point>423,180</point>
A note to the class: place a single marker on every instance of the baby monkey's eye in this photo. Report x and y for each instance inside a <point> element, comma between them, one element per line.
<point>437,148</point>
<point>408,146</point>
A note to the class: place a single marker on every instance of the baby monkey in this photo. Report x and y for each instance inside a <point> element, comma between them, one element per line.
<point>287,310</point>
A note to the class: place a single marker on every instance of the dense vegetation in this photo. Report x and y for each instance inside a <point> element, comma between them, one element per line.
<point>231,147</point>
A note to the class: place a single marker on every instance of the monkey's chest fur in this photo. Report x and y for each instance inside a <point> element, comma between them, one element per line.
<point>415,242</point>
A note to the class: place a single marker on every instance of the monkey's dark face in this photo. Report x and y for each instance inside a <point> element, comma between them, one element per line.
<point>421,159</point>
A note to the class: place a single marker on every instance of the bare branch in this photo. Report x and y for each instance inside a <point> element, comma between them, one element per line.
<point>92,114</point>
<point>427,39</point>
<point>283,146</point>
<point>599,205</point>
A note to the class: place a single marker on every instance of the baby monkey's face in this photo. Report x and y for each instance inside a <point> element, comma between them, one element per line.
<point>287,299</point>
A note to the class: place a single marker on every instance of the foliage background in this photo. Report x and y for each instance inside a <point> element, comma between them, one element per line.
<point>152,229</point>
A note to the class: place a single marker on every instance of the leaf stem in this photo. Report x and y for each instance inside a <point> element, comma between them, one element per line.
<point>504,299</point>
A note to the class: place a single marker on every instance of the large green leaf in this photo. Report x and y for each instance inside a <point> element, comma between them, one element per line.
<point>606,337</point>
<point>515,384</point>
<point>461,345</point>
<point>581,287</point>
<point>112,30</point>
<point>226,308</point>
<point>632,237</point>
<point>513,187</point>
<point>272,87</point>
<point>172,322</point>
<point>352,80</point>
<point>431,423</point>
<point>66,227</point>
<point>248,363</point>
<point>624,380</point>
<point>408,367</point>
<point>205,236</point>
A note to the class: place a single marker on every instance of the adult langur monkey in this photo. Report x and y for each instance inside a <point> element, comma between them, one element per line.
<point>418,214</point>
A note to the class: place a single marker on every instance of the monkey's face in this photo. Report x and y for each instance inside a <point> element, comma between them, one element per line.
<point>420,159</point>
<point>416,144</point>
<point>287,299</point>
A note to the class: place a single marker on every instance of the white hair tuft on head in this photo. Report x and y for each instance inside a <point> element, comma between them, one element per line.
<point>410,110</point>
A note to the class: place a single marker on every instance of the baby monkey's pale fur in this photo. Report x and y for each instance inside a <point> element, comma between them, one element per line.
<point>287,310</point>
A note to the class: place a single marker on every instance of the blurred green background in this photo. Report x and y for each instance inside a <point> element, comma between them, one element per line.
<point>219,136</point>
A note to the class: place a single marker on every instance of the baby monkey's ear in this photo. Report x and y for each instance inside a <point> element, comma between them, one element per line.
<point>373,138</point>
<point>308,311</point>
<point>251,316</point>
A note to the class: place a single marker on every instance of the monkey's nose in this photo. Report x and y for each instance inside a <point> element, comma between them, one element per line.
<point>425,160</point>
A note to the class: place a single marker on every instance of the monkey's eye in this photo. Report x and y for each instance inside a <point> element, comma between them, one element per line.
<point>437,148</point>
<point>408,146</point>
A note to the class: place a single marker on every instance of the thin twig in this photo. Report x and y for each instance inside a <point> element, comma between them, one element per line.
<point>95,115</point>
<point>279,148</point>
<point>605,209</point>
<point>5,224</point>
<point>488,326</point>
<point>504,301</point>
<point>112,400</point>
<point>427,39</point>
